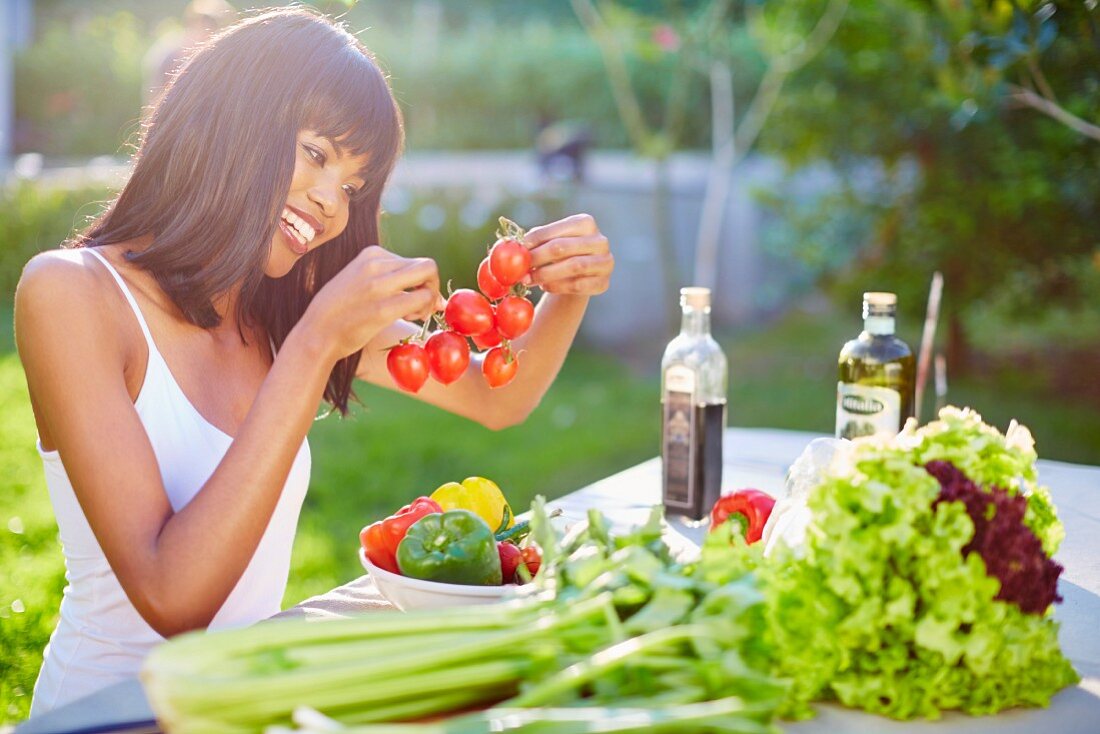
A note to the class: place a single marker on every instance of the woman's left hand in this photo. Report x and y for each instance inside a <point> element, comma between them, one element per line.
<point>570,256</point>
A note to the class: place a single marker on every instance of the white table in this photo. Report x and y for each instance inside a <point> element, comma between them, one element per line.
<point>759,458</point>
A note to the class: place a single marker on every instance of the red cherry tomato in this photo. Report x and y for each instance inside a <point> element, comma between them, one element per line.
<point>408,366</point>
<point>513,316</point>
<point>468,313</point>
<point>499,366</point>
<point>448,356</point>
<point>532,559</point>
<point>509,261</point>
<point>487,340</point>
<point>489,285</point>
<point>510,556</point>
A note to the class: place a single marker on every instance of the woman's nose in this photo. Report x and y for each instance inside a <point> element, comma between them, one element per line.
<point>325,197</point>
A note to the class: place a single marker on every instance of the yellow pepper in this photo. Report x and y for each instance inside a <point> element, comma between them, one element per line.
<point>481,497</point>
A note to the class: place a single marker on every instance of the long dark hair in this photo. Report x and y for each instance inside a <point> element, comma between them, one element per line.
<point>215,161</point>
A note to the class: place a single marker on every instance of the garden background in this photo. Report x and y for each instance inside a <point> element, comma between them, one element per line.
<point>790,154</point>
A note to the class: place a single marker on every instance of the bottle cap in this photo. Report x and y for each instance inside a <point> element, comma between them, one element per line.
<point>879,298</point>
<point>695,297</point>
<point>877,303</point>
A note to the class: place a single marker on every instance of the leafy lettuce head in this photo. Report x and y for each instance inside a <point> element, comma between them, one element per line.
<point>882,609</point>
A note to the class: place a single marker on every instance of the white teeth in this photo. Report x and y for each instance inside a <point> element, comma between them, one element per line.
<point>299,226</point>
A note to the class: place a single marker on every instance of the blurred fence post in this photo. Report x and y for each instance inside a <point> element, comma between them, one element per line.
<point>16,24</point>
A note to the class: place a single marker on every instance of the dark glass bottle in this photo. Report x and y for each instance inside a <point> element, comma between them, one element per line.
<point>877,374</point>
<point>693,399</point>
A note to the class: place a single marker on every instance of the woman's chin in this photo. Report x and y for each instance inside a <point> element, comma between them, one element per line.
<point>280,261</point>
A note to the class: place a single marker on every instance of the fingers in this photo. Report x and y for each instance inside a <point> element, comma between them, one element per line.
<point>415,273</point>
<point>384,274</point>
<point>579,266</point>
<point>409,305</point>
<point>377,260</point>
<point>561,248</point>
<point>578,225</point>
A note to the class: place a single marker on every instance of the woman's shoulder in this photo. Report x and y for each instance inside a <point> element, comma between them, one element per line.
<point>63,290</point>
<point>73,274</point>
<point>58,276</point>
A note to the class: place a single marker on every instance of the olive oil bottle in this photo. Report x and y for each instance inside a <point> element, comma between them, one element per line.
<point>877,374</point>
<point>693,398</point>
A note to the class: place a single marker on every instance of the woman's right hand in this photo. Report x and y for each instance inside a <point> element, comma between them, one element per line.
<point>370,293</point>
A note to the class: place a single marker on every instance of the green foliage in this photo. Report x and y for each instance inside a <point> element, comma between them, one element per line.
<point>484,83</point>
<point>35,218</point>
<point>78,87</point>
<point>970,183</point>
<point>489,85</point>
<point>30,553</point>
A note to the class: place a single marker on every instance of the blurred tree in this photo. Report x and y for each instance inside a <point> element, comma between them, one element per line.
<point>731,141</point>
<point>961,134</point>
<point>677,35</point>
<point>703,38</point>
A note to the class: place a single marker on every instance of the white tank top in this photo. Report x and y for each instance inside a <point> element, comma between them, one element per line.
<point>100,638</point>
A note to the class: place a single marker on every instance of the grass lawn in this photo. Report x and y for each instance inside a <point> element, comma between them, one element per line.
<point>597,419</point>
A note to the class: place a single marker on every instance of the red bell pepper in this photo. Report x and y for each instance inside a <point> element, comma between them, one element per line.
<point>749,508</point>
<point>380,539</point>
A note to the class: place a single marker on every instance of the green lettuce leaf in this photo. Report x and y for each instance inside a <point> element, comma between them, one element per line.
<point>880,610</point>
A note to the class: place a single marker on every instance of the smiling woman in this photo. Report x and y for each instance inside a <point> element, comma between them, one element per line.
<point>177,350</point>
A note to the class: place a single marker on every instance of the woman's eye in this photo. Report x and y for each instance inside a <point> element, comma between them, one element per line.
<point>316,155</point>
<point>350,190</point>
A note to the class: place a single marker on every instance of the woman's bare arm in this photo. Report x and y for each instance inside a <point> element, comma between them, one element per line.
<point>541,351</point>
<point>178,568</point>
<point>571,261</point>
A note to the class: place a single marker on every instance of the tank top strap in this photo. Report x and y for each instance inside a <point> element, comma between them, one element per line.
<point>129,298</point>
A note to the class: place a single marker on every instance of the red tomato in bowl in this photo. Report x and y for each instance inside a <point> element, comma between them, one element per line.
<point>448,356</point>
<point>532,559</point>
<point>468,313</point>
<point>510,557</point>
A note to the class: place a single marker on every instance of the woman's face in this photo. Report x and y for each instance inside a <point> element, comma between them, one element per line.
<point>316,208</point>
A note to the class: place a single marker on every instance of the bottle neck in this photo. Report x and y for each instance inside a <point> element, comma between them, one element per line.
<point>879,325</point>
<point>695,322</point>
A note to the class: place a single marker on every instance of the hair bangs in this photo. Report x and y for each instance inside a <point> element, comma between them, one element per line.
<point>351,104</point>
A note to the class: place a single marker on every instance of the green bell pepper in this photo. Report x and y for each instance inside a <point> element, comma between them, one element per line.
<point>455,547</point>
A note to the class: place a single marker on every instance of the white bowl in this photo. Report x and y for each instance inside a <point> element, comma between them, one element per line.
<point>407,593</point>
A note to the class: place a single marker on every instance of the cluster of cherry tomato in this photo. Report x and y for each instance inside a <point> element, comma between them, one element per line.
<point>491,319</point>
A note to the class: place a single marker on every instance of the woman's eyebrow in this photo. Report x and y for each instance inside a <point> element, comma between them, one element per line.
<point>335,146</point>
<point>341,150</point>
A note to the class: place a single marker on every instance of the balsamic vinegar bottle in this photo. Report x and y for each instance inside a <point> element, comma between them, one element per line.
<point>693,398</point>
<point>876,375</point>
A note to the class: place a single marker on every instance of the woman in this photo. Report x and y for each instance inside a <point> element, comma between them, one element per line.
<point>178,351</point>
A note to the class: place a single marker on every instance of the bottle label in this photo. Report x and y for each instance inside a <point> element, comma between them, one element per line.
<point>864,410</point>
<point>678,447</point>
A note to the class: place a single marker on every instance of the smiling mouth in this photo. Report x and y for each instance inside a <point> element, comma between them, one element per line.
<point>299,230</point>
